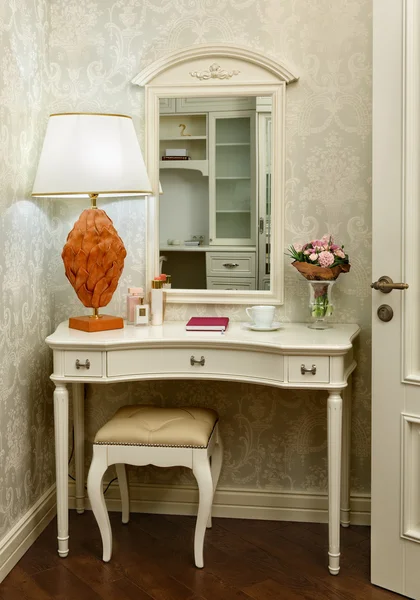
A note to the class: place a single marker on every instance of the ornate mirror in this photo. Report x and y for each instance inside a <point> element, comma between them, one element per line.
<point>215,149</point>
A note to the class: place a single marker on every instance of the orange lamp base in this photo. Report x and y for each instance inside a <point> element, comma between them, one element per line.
<point>100,323</point>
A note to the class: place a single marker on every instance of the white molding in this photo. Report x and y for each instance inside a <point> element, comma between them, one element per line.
<point>410,479</point>
<point>232,503</point>
<point>278,68</point>
<point>24,533</point>
<point>410,193</point>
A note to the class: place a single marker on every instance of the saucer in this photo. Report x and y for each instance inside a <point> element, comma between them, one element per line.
<point>274,327</point>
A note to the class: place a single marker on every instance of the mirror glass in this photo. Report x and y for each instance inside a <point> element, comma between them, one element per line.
<point>215,172</point>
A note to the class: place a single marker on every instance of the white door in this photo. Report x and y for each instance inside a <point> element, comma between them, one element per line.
<point>395,558</point>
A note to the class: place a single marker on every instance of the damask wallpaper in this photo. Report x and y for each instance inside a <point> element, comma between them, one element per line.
<point>26,276</point>
<point>274,440</point>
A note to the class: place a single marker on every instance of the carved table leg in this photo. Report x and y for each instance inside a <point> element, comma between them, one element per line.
<point>334,469</point>
<point>345,457</point>
<point>79,444</point>
<point>61,432</point>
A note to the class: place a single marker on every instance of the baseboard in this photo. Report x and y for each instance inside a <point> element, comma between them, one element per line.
<point>234,503</point>
<point>23,534</point>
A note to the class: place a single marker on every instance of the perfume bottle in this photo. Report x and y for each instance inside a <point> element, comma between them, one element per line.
<point>142,314</point>
<point>156,302</point>
<point>167,284</point>
<point>134,299</point>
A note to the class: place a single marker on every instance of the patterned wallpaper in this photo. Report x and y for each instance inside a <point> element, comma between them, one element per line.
<point>26,232</point>
<point>274,439</point>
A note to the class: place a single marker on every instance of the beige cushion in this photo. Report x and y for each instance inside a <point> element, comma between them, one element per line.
<point>156,426</point>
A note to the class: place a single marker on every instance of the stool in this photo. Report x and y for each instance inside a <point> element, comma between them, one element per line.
<point>165,437</point>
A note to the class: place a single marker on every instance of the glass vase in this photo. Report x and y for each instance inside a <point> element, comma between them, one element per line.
<point>320,303</point>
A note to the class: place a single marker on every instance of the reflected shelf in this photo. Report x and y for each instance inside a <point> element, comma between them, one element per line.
<point>196,165</point>
<point>239,177</point>
<point>184,138</point>
<point>233,144</point>
<point>205,248</point>
<point>246,211</point>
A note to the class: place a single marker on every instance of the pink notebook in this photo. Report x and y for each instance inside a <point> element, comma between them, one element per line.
<point>207,324</point>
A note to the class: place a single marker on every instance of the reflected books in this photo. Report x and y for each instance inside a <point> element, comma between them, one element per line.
<point>207,324</point>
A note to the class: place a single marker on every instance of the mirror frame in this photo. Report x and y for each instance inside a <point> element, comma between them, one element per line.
<point>242,72</point>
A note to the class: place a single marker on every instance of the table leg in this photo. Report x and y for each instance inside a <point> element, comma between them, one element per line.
<point>345,457</point>
<point>334,468</point>
<point>79,444</point>
<point>61,433</point>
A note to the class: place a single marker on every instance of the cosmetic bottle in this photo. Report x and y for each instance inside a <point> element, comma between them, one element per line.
<point>142,314</point>
<point>167,283</point>
<point>134,298</point>
<point>156,302</point>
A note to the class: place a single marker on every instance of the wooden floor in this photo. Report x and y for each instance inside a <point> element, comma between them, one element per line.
<point>152,558</point>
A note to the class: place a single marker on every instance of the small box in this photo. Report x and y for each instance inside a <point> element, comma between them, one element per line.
<point>176,152</point>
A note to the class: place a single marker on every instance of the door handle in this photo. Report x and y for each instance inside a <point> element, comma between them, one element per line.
<point>261,225</point>
<point>386,285</point>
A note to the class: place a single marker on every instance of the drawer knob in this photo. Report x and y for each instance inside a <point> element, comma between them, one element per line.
<point>193,361</point>
<point>230,265</point>
<point>304,370</point>
<point>85,365</point>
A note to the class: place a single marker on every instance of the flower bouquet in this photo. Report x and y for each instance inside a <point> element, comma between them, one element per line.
<point>320,262</point>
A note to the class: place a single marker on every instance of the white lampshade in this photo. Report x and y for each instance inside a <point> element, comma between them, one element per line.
<point>88,153</point>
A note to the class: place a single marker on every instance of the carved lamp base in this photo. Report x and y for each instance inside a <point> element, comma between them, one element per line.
<point>93,258</point>
<point>98,323</point>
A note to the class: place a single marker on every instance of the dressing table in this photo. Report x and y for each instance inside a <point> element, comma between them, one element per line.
<point>294,357</point>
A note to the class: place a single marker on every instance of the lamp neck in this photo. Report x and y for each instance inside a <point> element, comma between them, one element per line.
<point>93,198</point>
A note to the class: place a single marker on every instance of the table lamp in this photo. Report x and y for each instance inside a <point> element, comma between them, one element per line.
<point>86,155</point>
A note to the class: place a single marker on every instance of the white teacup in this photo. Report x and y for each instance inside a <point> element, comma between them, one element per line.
<point>262,316</point>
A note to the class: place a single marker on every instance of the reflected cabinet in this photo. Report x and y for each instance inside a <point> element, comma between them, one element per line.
<point>232,178</point>
<point>214,171</point>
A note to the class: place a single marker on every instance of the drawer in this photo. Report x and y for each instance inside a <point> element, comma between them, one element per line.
<point>235,283</point>
<point>92,360</point>
<point>264,366</point>
<point>230,264</point>
<point>320,365</point>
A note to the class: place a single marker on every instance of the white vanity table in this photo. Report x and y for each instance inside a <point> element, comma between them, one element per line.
<point>292,357</point>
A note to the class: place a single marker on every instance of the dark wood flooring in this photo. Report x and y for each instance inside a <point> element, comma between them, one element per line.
<point>152,559</point>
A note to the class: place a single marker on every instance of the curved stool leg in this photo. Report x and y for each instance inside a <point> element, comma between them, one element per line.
<point>216,466</point>
<point>97,470</point>
<point>123,485</point>
<point>202,473</point>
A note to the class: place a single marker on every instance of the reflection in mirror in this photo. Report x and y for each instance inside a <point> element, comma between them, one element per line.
<point>215,172</point>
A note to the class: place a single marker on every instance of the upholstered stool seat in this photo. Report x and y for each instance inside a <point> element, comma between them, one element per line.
<point>142,435</point>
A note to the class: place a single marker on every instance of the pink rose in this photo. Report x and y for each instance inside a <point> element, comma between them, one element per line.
<point>326,259</point>
<point>298,247</point>
<point>313,256</point>
<point>339,252</point>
